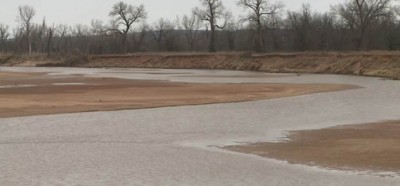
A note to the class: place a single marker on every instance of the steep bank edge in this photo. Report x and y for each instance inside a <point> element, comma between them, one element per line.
<point>366,64</point>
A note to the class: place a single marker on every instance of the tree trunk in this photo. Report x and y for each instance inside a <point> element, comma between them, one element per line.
<point>30,45</point>
<point>360,39</point>
<point>125,43</point>
<point>49,43</point>
<point>258,47</point>
<point>211,47</point>
<point>191,43</point>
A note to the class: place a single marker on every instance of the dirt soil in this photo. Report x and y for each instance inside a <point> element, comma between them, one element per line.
<point>378,63</point>
<point>23,94</point>
<point>373,147</point>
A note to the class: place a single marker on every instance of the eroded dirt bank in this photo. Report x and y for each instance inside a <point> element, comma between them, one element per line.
<point>381,64</point>
<point>24,94</point>
<point>373,146</point>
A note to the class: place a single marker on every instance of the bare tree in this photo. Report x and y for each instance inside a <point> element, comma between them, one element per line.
<point>325,27</point>
<point>163,32</point>
<point>81,40</point>
<point>25,17</point>
<point>124,16</point>
<point>139,36</point>
<point>97,27</point>
<point>60,43</point>
<point>191,25</point>
<point>38,36</point>
<point>158,31</point>
<point>391,31</point>
<point>50,35</point>
<point>275,24</point>
<point>4,34</point>
<point>212,11</point>
<point>361,24</point>
<point>97,31</point>
<point>301,24</point>
<point>359,14</point>
<point>18,34</point>
<point>230,32</point>
<point>260,9</point>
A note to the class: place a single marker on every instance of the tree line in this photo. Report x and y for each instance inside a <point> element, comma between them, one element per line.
<point>267,27</point>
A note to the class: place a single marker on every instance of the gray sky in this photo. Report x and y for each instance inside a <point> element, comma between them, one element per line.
<point>73,12</point>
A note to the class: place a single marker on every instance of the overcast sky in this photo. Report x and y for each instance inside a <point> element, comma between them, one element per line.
<point>72,12</point>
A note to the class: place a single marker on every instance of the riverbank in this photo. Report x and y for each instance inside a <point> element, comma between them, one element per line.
<point>378,64</point>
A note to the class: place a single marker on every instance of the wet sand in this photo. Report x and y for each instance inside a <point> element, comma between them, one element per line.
<point>24,94</point>
<point>177,145</point>
<point>12,75</point>
<point>371,147</point>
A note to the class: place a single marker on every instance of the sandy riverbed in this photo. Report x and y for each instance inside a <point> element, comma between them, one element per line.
<point>179,145</point>
<point>367,147</point>
<point>24,94</point>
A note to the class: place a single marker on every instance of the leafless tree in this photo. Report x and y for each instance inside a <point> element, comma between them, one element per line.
<point>191,25</point>
<point>60,42</point>
<point>97,30</point>
<point>359,14</point>
<point>18,34</point>
<point>260,9</point>
<point>230,31</point>
<point>163,32</point>
<point>301,24</point>
<point>391,30</point>
<point>158,31</point>
<point>97,27</point>
<point>4,34</point>
<point>139,36</point>
<point>50,35</point>
<point>274,24</point>
<point>38,36</point>
<point>324,29</point>
<point>81,41</point>
<point>361,24</point>
<point>212,11</point>
<point>124,16</point>
<point>25,17</point>
<point>171,35</point>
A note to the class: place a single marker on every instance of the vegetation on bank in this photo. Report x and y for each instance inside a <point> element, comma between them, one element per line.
<point>265,26</point>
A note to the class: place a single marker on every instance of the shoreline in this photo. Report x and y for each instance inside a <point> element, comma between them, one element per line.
<point>373,64</point>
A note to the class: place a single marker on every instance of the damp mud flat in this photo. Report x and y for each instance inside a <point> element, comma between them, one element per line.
<point>373,147</point>
<point>75,93</point>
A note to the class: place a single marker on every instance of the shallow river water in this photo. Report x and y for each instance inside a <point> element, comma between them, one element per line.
<point>178,145</point>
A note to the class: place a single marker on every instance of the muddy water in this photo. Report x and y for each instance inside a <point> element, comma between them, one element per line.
<point>176,146</point>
